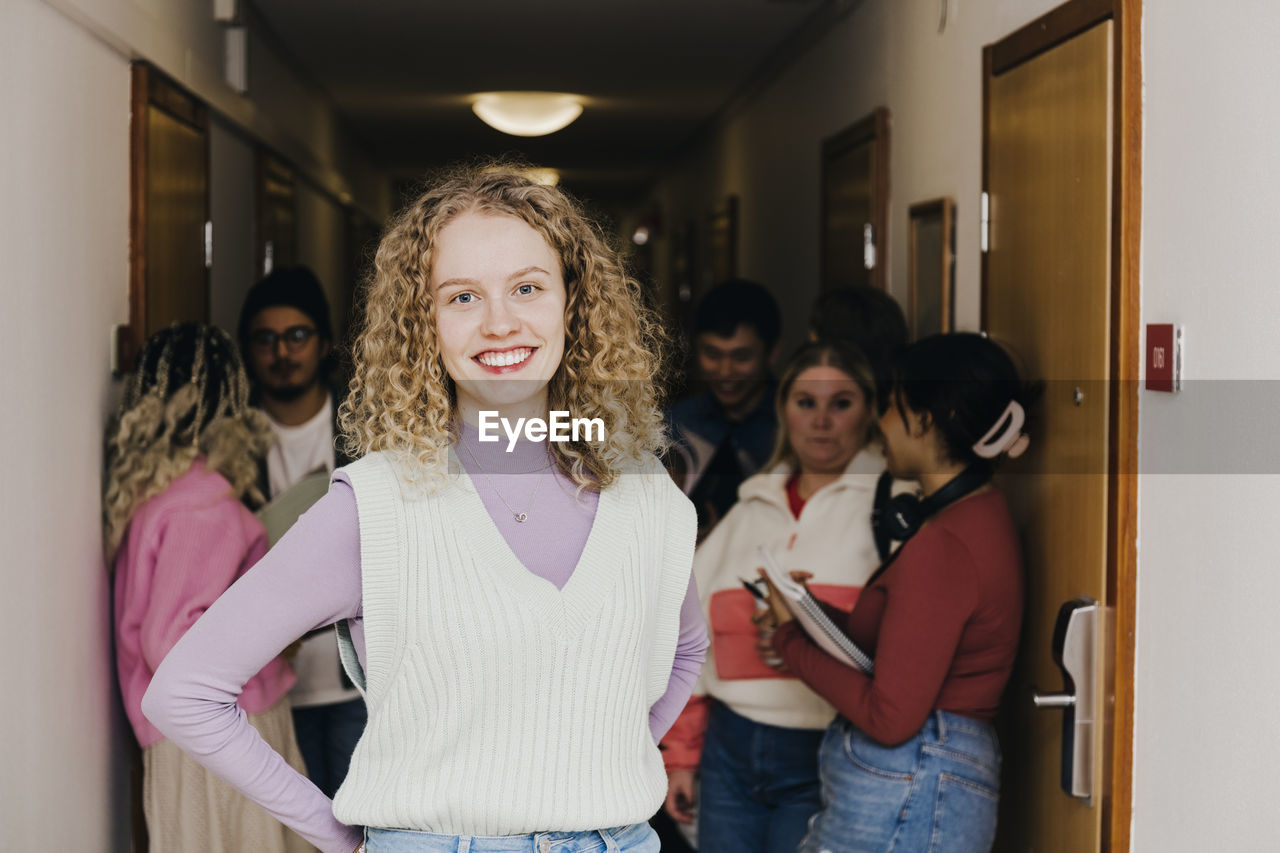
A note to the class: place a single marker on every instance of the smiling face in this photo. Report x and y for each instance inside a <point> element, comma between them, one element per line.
<point>827,415</point>
<point>736,369</point>
<point>499,304</point>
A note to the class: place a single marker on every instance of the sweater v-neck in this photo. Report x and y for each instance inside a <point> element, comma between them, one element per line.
<point>591,578</point>
<point>519,480</point>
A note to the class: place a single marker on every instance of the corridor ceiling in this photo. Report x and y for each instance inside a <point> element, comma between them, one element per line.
<point>653,73</point>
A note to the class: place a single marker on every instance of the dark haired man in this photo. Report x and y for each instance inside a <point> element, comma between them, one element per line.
<point>726,434</point>
<point>287,341</point>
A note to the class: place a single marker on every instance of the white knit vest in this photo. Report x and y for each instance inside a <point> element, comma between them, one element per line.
<point>499,705</point>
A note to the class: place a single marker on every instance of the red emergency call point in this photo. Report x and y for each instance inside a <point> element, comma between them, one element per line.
<point>1162,357</point>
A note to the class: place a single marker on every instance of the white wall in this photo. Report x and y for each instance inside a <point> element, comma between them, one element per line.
<point>1207,681</point>
<point>883,54</point>
<point>64,204</point>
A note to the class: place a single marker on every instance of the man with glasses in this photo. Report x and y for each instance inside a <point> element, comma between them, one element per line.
<point>287,343</point>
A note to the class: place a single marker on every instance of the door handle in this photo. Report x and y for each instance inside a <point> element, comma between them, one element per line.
<point>1075,638</point>
<point>1053,700</point>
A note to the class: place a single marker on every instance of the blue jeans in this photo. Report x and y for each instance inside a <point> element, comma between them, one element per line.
<point>327,736</point>
<point>637,838</point>
<point>936,793</point>
<point>758,785</point>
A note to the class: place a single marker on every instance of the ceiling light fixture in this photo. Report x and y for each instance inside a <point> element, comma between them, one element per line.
<point>527,113</point>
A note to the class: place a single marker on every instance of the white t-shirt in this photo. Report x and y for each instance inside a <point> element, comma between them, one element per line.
<point>297,452</point>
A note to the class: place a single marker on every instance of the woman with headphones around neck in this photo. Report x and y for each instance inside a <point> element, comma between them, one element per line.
<point>912,761</point>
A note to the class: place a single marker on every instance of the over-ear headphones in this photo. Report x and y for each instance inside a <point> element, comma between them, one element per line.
<point>896,518</point>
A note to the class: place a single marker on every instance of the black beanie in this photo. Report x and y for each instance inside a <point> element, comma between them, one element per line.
<point>292,287</point>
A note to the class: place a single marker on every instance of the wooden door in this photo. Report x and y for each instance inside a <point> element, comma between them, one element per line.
<point>855,204</point>
<point>1051,294</point>
<point>170,234</point>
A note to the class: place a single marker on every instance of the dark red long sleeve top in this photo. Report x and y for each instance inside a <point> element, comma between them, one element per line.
<point>942,624</point>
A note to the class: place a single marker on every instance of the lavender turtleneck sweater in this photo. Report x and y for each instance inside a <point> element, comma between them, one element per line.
<point>312,578</point>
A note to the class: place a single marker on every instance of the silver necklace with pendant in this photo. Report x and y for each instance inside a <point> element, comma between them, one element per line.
<point>520,517</point>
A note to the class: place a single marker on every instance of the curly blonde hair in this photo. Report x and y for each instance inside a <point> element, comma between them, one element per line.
<point>402,400</point>
<point>187,396</point>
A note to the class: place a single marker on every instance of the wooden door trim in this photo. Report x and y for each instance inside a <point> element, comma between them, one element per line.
<point>1126,349</point>
<point>1042,34</point>
<point>874,128</point>
<point>130,340</point>
<point>150,87</point>
<point>1049,30</point>
<point>944,208</point>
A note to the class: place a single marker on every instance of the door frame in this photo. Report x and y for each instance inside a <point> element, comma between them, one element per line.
<point>151,87</point>
<point>1042,34</point>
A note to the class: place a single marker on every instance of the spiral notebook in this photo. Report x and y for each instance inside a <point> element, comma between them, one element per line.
<point>813,619</point>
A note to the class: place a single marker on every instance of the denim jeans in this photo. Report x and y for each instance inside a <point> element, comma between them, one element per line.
<point>637,838</point>
<point>936,793</point>
<point>759,785</point>
<point>327,736</point>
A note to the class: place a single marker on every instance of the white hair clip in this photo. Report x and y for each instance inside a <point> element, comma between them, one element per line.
<point>1006,436</point>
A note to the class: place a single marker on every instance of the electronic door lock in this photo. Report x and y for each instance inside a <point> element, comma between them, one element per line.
<point>1075,639</point>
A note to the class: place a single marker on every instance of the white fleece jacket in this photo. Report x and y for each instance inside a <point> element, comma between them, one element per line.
<point>831,538</point>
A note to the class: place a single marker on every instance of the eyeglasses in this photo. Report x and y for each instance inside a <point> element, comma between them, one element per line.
<point>294,337</point>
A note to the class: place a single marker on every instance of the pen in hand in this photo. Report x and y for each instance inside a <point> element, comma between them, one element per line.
<point>764,626</point>
<point>754,590</point>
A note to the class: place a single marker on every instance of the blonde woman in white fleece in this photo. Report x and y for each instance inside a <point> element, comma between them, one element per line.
<point>751,732</point>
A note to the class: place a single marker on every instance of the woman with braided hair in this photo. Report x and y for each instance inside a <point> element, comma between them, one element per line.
<point>181,464</point>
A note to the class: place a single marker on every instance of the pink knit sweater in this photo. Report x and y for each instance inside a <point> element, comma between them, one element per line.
<point>182,549</point>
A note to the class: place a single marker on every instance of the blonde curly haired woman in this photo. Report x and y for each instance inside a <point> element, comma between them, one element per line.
<point>519,613</point>
<point>181,461</point>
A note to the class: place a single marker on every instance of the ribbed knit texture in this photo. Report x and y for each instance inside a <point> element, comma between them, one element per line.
<point>499,705</point>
